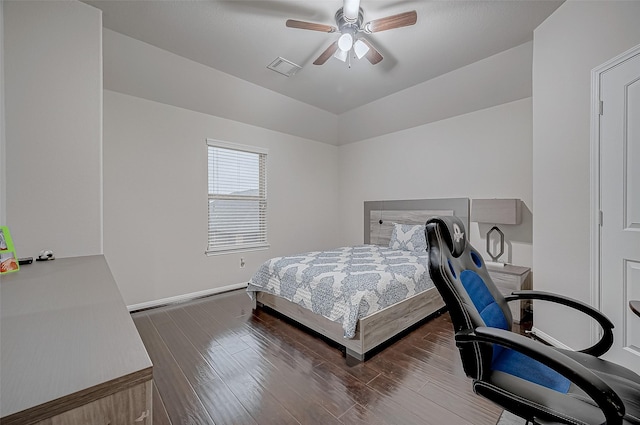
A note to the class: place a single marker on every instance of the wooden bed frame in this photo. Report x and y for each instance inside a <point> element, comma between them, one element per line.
<point>379,327</point>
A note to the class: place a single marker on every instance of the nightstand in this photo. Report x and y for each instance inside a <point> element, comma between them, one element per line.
<point>512,278</point>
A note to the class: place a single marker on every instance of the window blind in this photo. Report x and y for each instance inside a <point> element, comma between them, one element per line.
<point>237,207</point>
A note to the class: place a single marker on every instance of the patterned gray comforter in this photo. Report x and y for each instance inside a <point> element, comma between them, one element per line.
<point>345,284</point>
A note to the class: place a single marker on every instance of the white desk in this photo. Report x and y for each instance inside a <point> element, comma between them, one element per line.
<point>69,348</point>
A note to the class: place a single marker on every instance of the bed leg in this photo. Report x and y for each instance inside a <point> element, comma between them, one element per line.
<point>352,357</point>
<point>254,302</point>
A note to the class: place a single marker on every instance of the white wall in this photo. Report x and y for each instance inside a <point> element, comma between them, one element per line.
<point>53,113</point>
<point>578,37</point>
<point>483,154</point>
<point>155,198</point>
<point>492,81</point>
<point>158,110</point>
<point>145,71</point>
<point>3,174</point>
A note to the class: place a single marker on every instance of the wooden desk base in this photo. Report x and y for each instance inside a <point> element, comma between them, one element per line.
<point>131,406</point>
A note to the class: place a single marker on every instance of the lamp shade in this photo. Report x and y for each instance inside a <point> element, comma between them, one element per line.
<point>496,211</point>
<point>360,48</point>
<point>341,54</point>
<point>345,42</point>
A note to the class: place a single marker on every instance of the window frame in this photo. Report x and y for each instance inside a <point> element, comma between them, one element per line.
<point>261,198</point>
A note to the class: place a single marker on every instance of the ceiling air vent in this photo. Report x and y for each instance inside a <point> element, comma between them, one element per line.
<point>284,67</point>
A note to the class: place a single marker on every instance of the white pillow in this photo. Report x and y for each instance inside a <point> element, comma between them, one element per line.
<point>408,237</point>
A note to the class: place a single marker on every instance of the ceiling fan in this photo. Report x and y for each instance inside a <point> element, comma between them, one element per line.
<point>349,22</point>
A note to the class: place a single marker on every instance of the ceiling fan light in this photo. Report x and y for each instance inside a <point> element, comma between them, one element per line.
<point>360,48</point>
<point>341,54</point>
<point>345,42</point>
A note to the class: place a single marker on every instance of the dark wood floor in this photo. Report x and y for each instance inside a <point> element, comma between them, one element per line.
<point>217,362</point>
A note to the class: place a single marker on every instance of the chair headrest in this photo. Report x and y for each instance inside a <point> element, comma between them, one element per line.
<point>453,232</point>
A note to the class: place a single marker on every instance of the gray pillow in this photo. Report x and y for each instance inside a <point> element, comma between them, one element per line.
<point>408,237</point>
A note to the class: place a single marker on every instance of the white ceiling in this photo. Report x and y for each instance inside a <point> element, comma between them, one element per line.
<point>241,38</point>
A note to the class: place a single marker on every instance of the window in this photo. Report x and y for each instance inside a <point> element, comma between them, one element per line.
<point>237,197</point>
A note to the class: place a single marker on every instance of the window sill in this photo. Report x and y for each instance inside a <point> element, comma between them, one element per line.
<point>231,250</point>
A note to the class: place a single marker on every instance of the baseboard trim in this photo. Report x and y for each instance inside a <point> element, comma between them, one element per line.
<point>183,298</point>
<point>549,339</point>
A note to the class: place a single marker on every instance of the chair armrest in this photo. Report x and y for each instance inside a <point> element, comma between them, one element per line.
<point>600,347</point>
<point>606,399</point>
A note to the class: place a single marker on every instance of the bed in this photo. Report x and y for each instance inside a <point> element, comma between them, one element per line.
<point>361,296</point>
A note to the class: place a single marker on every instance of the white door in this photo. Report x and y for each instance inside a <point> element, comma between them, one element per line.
<point>620,206</point>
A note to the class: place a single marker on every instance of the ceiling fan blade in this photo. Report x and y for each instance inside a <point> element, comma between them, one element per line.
<point>390,22</point>
<point>292,23</point>
<point>372,55</point>
<point>326,54</point>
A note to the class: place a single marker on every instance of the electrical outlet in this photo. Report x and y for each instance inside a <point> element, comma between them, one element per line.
<point>242,263</point>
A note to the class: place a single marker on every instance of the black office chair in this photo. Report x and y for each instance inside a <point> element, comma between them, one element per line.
<point>532,380</point>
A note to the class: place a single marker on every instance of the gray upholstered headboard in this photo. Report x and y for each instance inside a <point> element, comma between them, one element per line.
<point>379,216</point>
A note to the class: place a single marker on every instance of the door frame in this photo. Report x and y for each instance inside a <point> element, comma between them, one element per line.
<point>595,207</point>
